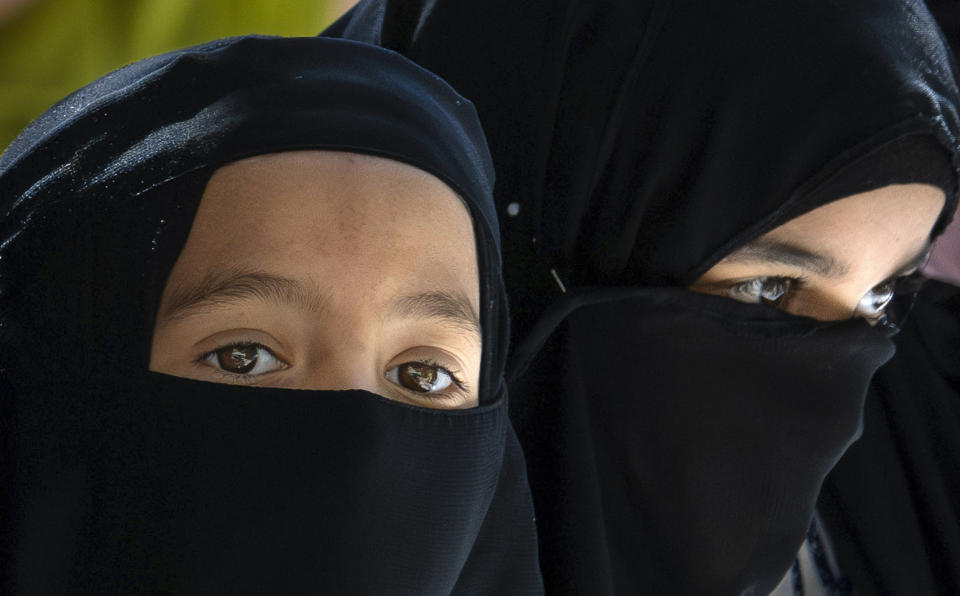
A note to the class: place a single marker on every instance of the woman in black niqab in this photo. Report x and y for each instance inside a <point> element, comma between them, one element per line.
<point>116,479</point>
<point>677,442</point>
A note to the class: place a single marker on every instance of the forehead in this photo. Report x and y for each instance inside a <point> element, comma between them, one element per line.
<point>867,236</point>
<point>895,214</point>
<point>341,219</point>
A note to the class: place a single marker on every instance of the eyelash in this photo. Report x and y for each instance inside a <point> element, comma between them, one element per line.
<point>202,360</point>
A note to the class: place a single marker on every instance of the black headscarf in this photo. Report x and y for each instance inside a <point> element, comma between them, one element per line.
<point>676,443</point>
<point>642,141</point>
<point>116,479</point>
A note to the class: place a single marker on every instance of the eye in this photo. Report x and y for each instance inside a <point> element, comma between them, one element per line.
<point>763,290</point>
<point>245,359</point>
<point>874,304</point>
<point>422,377</point>
<point>875,301</point>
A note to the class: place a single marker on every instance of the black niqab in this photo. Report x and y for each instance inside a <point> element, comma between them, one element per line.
<point>676,443</point>
<point>116,479</point>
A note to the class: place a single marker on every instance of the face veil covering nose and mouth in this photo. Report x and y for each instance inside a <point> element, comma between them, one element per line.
<point>116,479</point>
<point>676,443</point>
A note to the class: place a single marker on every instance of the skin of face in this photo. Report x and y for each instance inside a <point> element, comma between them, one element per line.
<point>329,270</point>
<point>837,254</point>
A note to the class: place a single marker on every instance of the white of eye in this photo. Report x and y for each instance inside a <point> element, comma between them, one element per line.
<point>420,377</point>
<point>244,359</point>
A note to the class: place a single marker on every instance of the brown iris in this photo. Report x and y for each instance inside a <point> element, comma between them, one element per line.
<point>238,359</point>
<point>418,376</point>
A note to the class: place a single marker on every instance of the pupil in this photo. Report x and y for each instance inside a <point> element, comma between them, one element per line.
<point>237,359</point>
<point>418,377</point>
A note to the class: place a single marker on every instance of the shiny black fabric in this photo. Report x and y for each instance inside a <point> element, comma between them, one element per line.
<point>892,505</point>
<point>636,144</point>
<point>115,479</point>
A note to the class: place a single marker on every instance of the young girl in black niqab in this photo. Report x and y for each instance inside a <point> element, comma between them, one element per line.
<point>309,217</point>
<point>797,155</point>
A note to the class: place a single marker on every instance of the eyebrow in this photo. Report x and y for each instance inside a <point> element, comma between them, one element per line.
<point>454,309</point>
<point>231,287</point>
<point>236,286</point>
<point>769,251</point>
<point>783,253</point>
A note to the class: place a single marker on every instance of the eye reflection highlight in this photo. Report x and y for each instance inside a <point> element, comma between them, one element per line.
<point>244,359</point>
<point>422,377</point>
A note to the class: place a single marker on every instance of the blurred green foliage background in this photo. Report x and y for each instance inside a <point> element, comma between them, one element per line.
<point>49,48</point>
